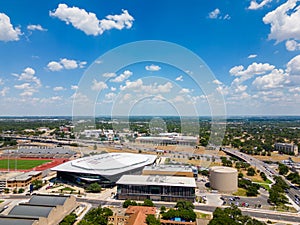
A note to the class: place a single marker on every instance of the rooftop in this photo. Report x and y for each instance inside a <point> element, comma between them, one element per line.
<point>144,209</point>
<point>25,176</point>
<point>15,221</point>
<point>171,168</point>
<point>223,169</point>
<point>47,200</point>
<point>157,180</point>
<point>107,164</point>
<point>30,210</point>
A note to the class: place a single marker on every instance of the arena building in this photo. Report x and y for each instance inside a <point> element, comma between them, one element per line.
<point>104,169</point>
<point>223,179</point>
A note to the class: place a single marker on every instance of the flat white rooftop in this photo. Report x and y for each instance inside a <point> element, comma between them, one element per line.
<point>107,164</point>
<point>168,168</point>
<point>157,181</point>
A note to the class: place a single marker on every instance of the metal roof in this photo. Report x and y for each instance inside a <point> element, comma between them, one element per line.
<point>25,176</point>
<point>157,180</point>
<point>29,210</point>
<point>107,164</point>
<point>47,200</point>
<point>15,221</point>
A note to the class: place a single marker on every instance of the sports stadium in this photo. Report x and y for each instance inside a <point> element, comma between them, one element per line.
<point>104,169</point>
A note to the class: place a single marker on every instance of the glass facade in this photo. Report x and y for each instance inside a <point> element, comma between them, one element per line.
<point>155,192</point>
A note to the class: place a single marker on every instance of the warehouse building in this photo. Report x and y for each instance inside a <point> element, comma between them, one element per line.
<point>158,188</point>
<point>223,179</point>
<point>40,210</point>
<point>104,169</point>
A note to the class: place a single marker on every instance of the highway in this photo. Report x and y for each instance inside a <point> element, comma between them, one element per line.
<point>264,167</point>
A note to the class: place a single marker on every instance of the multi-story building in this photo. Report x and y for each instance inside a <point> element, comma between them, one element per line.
<point>286,148</point>
<point>24,179</point>
<point>158,188</point>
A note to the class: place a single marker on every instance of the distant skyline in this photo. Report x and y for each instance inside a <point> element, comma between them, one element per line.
<point>252,48</point>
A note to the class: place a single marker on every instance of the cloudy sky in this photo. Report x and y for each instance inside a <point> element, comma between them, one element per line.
<point>48,47</point>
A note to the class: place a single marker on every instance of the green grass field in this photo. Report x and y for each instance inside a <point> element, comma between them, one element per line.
<point>21,164</point>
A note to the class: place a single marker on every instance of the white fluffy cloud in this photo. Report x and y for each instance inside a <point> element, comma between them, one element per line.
<point>292,45</point>
<point>109,75</point>
<point>74,87</point>
<point>217,82</point>
<point>64,63</point>
<point>185,91</point>
<point>216,14</point>
<point>139,86</point>
<point>99,85</point>
<point>254,5</point>
<point>276,79</point>
<point>54,66</point>
<point>152,67</point>
<point>124,76</point>
<point>4,91</point>
<point>253,69</point>
<point>36,27</point>
<point>59,88</point>
<point>180,78</point>
<point>252,56</point>
<point>31,82</point>
<point>284,21</point>
<point>7,31</point>
<point>293,66</point>
<point>88,21</point>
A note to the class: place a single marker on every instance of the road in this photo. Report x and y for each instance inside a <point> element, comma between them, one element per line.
<point>260,214</point>
<point>264,167</point>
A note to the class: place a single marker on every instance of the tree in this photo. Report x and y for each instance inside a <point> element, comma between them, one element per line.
<point>148,202</point>
<point>252,190</point>
<point>240,175</point>
<point>184,205</point>
<point>250,171</point>
<point>94,188</point>
<point>69,219</point>
<point>162,209</point>
<point>151,220</point>
<point>97,216</point>
<point>37,184</point>
<point>263,176</point>
<point>233,216</point>
<point>128,202</point>
<point>283,169</point>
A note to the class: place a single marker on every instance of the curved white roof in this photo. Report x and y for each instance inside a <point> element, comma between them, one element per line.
<point>107,164</point>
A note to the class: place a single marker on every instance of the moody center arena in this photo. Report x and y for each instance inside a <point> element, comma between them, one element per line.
<point>104,169</point>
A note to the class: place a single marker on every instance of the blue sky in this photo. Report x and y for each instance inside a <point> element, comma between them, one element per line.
<point>251,47</point>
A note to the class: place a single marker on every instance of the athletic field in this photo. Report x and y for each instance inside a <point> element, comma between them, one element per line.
<point>21,164</point>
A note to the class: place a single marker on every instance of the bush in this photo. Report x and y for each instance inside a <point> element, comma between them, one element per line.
<point>94,188</point>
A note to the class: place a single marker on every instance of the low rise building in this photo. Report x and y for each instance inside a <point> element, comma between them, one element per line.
<point>169,139</point>
<point>286,148</point>
<point>40,210</point>
<point>23,179</point>
<point>159,188</point>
